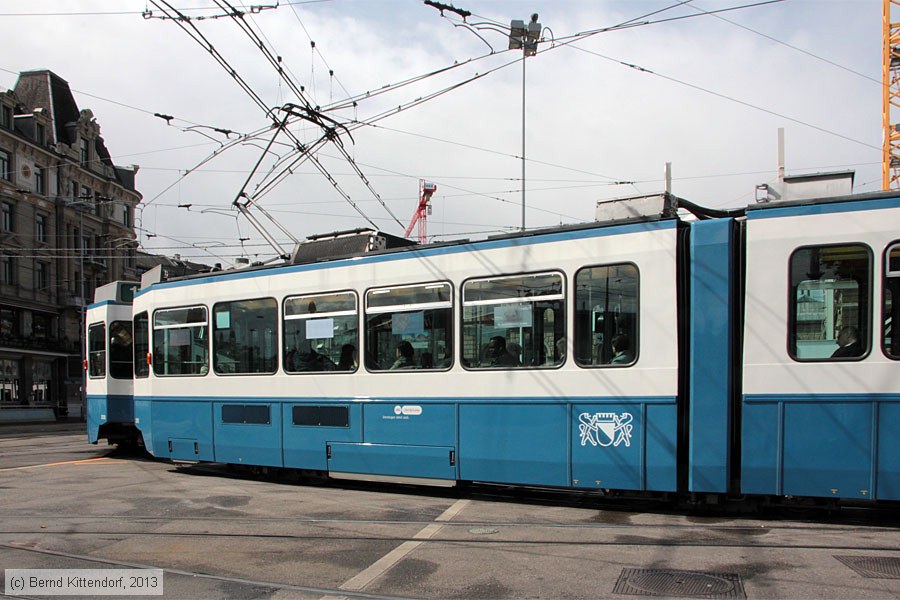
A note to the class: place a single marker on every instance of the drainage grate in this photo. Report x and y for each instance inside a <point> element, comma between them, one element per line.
<point>880,567</point>
<point>685,584</point>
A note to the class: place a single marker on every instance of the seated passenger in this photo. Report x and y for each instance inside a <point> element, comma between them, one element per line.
<point>560,350</point>
<point>621,348</point>
<point>349,360</point>
<point>848,343</point>
<point>405,356</point>
<point>498,355</point>
<point>312,361</point>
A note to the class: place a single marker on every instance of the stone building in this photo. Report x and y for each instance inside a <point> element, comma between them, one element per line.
<point>67,227</point>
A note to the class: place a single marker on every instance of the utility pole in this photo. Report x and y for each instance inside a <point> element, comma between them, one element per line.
<point>525,37</point>
<point>79,204</point>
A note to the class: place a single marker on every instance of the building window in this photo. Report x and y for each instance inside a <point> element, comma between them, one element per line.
<point>606,315</point>
<point>40,228</point>
<point>245,336</point>
<point>98,251</point>
<point>41,377</point>
<point>6,117</point>
<point>40,180</point>
<point>85,152</point>
<point>40,325</point>
<point>9,322</point>
<point>514,322</point>
<point>9,379</point>
<point>181,341</point>
<point>6,216</point>
<point>409,327</point>
<point>86,193</point>
<point>41,276</point>
<point>5,165</point>
<point>8,269</point>
<point>321,333</point>
<point>830,292</point>
<point>97,350</point>
<point>40,133</point>
<point>126,216</point>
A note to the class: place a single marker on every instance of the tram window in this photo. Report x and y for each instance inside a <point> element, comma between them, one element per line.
<point>245,336</point>
<point>180,341</point>
<point>830,292</point>
<point>890,313</point>
<point>606,315</point>
<point>141,345</point>
<point>409,327</point>
<point>120,350</point>
<point>248,414</point>
<point>514,322</point>
<point>321,416</point>
<point>97,350</point>
<point>321,333</point>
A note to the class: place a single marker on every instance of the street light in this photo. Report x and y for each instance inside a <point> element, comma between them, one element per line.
<point>525,37</point>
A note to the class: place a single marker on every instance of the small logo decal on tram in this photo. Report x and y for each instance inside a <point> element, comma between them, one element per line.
<point>398,409</point>
<point>605,429</point>
<point>412,410</point>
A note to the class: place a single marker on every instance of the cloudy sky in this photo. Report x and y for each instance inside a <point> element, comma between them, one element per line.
<point>604,112</point>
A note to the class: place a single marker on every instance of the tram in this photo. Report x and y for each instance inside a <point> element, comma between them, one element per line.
<point>741,353</point>
<point>110,366</point>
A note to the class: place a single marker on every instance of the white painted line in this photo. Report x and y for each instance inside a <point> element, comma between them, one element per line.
<point>387,562</point>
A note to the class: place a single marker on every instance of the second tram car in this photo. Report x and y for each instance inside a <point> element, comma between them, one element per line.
<point>744,353</point>
<point>110,365</point>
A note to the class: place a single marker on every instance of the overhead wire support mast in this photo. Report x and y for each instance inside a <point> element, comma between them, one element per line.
<point>890,72</point>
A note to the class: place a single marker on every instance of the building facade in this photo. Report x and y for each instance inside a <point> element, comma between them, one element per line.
<point>66,227</point>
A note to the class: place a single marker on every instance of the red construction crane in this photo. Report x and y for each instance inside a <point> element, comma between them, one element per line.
<point>426,189</point>
<point>890,88</point>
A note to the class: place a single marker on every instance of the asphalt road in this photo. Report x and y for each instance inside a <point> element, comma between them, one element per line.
<point>67,504</point>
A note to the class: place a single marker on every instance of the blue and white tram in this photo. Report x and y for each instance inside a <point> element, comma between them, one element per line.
<point>489,361</point>
<point>657,355</point>
<point>110,365</point>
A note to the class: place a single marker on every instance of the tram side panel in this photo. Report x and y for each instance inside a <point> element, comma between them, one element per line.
<point>820,387</point>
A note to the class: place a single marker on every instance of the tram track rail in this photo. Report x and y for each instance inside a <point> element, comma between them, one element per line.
<point>471,539</point>
<point>738,528</point>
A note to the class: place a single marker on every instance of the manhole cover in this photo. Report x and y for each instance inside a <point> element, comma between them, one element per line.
<point>880,567</point>
<point>685,584</point>
<point>484,530</point>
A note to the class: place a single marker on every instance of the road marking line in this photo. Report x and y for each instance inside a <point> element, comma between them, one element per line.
<point>67,462</point>
<point>386,562</point>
